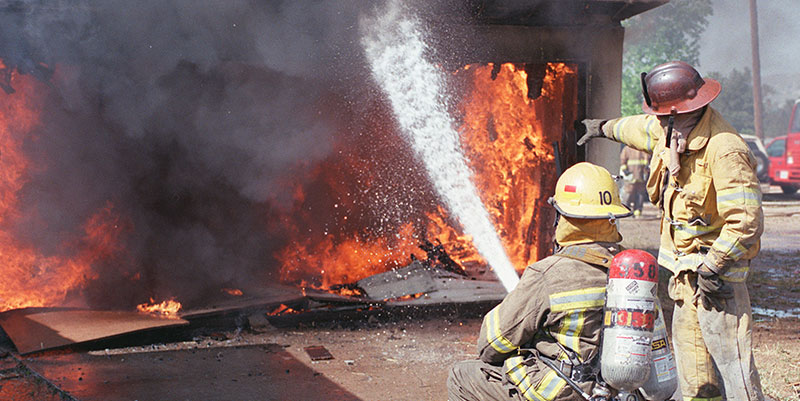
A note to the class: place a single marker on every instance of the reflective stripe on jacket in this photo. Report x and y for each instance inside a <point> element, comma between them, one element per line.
<point>712,208</point>
<point>564,297</point>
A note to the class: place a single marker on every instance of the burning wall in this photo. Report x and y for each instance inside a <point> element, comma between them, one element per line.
<point>186,120</point>
<point>508,134</point>
<point>182,151</point>
<point>31,277</point>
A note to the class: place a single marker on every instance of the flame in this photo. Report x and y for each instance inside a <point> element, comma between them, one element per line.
<point>282,310</point>
<point>349,292</point>
<point>233,291</point>
<point>508,139</point>
<point>459,246</point>
<point>347,261</point>
<point>168,308</point>
<point>30,278</point>
<point>407,297</point>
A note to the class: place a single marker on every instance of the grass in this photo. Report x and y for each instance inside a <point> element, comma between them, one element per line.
<point>777,357</point>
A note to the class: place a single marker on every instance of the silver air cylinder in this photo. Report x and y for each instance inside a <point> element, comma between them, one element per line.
<point>629,319</point>
<point>663,380</point>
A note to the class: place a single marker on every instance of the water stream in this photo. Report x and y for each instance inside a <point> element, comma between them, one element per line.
<point>396,51</point>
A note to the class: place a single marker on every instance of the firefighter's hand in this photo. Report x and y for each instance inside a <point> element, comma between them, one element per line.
<point>625,174</point>
<point>594,129</point>
<point>712,291</point>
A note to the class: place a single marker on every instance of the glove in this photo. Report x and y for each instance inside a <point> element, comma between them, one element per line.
<point>712,291</point>
<point>627,176</point>
<point>593,130</point>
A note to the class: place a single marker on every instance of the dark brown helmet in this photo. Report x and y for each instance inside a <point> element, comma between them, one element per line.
<point>676,85</point>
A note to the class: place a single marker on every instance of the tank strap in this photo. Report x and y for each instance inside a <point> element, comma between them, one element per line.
<point>585,254</point>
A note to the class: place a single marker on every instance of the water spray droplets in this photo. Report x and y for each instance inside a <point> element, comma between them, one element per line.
<point>415,88</point>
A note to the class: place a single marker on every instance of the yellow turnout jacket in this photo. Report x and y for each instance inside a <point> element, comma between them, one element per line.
<point>562,295</point>
<point>712,209</point>
<point>635,163</point>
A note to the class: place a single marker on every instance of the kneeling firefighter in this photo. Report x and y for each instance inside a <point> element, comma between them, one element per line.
<point>554,317</point>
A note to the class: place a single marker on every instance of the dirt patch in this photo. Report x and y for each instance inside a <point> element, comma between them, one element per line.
<point>409,359</point>
<point>778,357</point>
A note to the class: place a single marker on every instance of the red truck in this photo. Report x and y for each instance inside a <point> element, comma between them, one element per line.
<point>784,156</point>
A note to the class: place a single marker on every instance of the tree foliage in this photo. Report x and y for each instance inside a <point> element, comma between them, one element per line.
<point>672,32</point>
<point>735,103</point>
<point>666,33</point>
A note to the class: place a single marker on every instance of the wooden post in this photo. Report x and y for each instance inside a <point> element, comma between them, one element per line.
<point>757,103</point>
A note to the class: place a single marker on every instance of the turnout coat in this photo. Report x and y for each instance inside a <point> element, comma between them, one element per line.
<point>712,208</point>
<point>559,300</point>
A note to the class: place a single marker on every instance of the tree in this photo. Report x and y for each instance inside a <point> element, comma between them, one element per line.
<point>735,102</point>
<point>776,117</point>
<point>672,32</point>
<point>669,32</point>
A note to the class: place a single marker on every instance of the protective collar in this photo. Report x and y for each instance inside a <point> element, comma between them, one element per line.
<point>701,132</point>
<point>572,231</point>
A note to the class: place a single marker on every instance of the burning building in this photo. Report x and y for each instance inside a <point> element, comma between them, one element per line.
<point>196,151</point>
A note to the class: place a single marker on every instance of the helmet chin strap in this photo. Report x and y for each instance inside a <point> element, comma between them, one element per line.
<point>672,141</point>
<point>556,245</point>
<point>644,90</point>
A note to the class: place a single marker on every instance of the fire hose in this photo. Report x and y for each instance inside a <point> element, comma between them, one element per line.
<point>568,379</point>
<point>601,391</point>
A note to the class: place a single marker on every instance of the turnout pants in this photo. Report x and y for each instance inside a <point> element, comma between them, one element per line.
<point>476,381</point>
<point>635,195</point>
<point>706,338</point>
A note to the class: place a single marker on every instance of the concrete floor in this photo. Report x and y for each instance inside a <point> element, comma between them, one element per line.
<point>258,372</point>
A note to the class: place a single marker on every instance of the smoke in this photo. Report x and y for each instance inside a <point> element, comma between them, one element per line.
<point>725,45</point>
<point>193,118</point>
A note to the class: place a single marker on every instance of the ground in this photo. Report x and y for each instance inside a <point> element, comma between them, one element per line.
<point>407,357</point>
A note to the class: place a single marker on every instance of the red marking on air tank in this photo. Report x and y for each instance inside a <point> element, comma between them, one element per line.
<point>640,320</point>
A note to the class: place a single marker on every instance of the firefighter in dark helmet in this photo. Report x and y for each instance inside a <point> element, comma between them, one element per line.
<point>702,175</point>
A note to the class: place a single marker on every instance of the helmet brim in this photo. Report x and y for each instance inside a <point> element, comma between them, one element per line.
<point>593,211</point>
<point>705,95</point>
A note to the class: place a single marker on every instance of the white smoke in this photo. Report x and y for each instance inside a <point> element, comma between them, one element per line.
<point>725,45</point>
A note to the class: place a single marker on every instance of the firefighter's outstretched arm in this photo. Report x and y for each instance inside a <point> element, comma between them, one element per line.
<point>594,129</point>
<point>640,132</point>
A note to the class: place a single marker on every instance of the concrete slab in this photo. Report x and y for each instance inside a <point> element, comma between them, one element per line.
<point>261,372</point>
<point>454,289</point>
<point>412,279</point>
<point>264,298</point>
<point>39,329</point>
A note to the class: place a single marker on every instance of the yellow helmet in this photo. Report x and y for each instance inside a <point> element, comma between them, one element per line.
<point>586,191</point>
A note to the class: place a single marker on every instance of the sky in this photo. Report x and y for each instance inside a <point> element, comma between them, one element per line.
<point>726,43</point>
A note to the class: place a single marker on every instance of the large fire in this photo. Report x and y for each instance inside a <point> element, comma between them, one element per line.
<point>347,221</point>
<point>27,276</point>
<point>508,137</point>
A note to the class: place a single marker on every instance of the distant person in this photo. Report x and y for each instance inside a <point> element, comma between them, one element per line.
<point>559,297</point>
<point>703,177</point>
<point>633,165</point>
